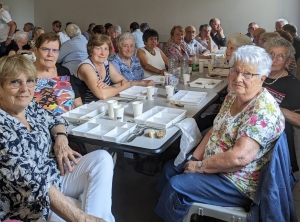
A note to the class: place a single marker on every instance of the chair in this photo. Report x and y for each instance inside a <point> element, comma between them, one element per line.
<point>260,204</point>
<point>298,66</point>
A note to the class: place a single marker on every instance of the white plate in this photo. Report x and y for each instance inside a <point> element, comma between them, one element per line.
<point>205,83</point>
<point>99,131</point>
<point>141,119</point>
<point>138,92</point>
<point>82,129</point>
<point>157,79</point>
<point>188,97</point>
<point>116,134</point>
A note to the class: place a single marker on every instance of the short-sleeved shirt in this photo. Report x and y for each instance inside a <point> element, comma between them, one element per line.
<point>194,45</point>
<point>28,164</point>
<point>262,121</point>
<point>179,50</point>
<point>4,27</point>
<point>218,39</point>
<point>204,42</point>
<point>132,73</point>
<point>57,94</point>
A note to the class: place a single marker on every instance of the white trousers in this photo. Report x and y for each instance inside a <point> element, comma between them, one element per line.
<point>92,177</point>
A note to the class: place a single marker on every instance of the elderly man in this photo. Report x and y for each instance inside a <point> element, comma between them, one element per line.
<point>193,44</point>
<point>292,29</point>
<point>280,23</point>
<point>7,29</point>
<point>74,51</point>
<point>205,39</point>
<point>256,35</point>
<point>251,28</point>
<point>217,33</point>
<point>56,26</point>
<point>88,33</point>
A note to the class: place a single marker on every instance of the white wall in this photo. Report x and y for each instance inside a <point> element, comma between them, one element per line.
<point>160,14</point>
<point>21,11</point>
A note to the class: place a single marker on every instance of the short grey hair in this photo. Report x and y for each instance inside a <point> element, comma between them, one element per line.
<point>116,28</point>
<point>281,42</point>
<point>283,21</point>
<point>73,30</point>
<point>290,28</point>
<point>205,26</point>
<point>30,25</point>
<point>239,39</point>
<point>123,37</point>
<point>20,35</point>
<point>253,55</point>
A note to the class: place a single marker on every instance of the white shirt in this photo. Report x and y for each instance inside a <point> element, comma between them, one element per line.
<point>138,36</point>
<point>4,27</point>
<point>199,48</point>
<point>63,37</point>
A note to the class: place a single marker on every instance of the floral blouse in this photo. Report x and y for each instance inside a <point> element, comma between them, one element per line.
<point>27,164</point>
<point>262,121</point>
<point>179,51</point>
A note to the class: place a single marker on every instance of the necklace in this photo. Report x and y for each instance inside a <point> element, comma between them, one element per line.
<point>152,53</point>
<point>275,79</point>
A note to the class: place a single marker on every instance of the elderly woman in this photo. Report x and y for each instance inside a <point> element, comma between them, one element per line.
<point>31,164</point>
<point>73,52</point>
<point>19,44</point>
<point>264,37</point>
<point>114,32</point>
<point>55,89</point>
<point>224,168</point>
<point>176,43</point>
<point>235,41</point>
<point>152,59</point>
<point>126,63</point>
<point>205,39</point>
<point>37,31</point>
<point>285,88</point>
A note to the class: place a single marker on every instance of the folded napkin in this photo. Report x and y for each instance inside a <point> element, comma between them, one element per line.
<point>190,137</point>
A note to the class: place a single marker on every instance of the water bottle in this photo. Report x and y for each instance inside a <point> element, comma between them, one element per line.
<point>172,63</point>
<point>195,65</point>
<point>184,65</point>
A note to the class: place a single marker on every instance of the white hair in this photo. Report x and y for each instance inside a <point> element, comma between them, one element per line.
<point>123,37</point>
<point>239,39</point>
<point>253,55</point>
<point>116,28</point>
<point>73,30</point>
<point>20,35</point>
<point>283,21</point>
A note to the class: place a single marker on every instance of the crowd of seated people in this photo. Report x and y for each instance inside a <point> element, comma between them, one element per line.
<point>100,63</point>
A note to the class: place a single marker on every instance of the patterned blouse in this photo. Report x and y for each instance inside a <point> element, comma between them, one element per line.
<point>132,73</point>
<point>262,121</point>
<point>27,163</point>
<point>179,50</point>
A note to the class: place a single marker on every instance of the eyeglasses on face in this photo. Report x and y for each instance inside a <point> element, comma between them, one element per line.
<point>47,50</point>
<point>279,57</point>
<point>17,83</point>
<point>246,75</point>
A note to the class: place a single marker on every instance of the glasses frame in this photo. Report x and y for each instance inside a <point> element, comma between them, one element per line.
<point>20,83</point>
<point>277,56</point>
<point>234,72</point>
<point>47,50</point>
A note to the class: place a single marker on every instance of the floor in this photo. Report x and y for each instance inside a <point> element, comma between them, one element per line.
<point>134,195</point>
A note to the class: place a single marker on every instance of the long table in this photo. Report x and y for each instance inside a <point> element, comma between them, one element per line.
<point>144,144</point>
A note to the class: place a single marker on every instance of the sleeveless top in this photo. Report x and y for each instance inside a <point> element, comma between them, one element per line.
<point>154,60</point>
<point>89,96</point>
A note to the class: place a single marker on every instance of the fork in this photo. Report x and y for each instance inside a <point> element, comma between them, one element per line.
<point>140,133</point>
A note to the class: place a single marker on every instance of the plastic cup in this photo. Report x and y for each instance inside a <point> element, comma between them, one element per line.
<point>223,60</point>
<point>119,113</point>
<point>111,104</point>
<point>201,66</point>
<point>150,92</point>
<point>137,108</point>
<point>186,79</point>
<point>190,70</point>
<point>210,67</point>
<point>169,91</point>
<point>213,57</point>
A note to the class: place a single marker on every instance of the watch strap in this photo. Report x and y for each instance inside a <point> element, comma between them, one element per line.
<point>191,157</point>
<point>58,134</point>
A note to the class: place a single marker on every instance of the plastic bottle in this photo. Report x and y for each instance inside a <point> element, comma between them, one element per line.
<point>195,65</point>
<point>172,63</point>
<point>184,65</point>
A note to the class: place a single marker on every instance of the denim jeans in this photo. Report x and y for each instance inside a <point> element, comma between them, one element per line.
<point>92,177</point>
<point>2,48</point>
<point>179,191</point>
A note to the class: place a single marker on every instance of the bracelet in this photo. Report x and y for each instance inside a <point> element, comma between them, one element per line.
<point>58,134</point>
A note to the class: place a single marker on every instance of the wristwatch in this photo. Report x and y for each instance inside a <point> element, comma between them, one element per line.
<point>9,37</point>
<point>58,134</point>
<point>191,157</point>
<point>200,165</point>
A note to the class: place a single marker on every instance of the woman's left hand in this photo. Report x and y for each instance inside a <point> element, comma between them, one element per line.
<point>148,82</point>
<point>64,154</point>
<point>191,167</point>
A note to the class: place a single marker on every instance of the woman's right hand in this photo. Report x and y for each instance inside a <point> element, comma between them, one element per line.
<point>101,84</point>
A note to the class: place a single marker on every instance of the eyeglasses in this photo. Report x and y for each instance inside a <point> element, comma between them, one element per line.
<point>246,75</point>
<point>16,84</point>
<point>47,50</point>
<point>278,57</point>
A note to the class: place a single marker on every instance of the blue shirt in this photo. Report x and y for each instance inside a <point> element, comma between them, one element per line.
<point>199,48</point>
<point>73,52</point>
<point>132,73</point>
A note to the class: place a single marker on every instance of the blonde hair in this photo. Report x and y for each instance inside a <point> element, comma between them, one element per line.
<point>13,66</point>
<point>177,27</point>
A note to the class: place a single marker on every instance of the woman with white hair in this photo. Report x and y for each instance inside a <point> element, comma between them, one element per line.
<point>73,51</point>
<point>235,41</point>
<point>126,63</point>
<point>18,45</point>
<point>224,169</point>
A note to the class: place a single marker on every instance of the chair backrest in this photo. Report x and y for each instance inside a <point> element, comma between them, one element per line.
<point>298,66</point>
